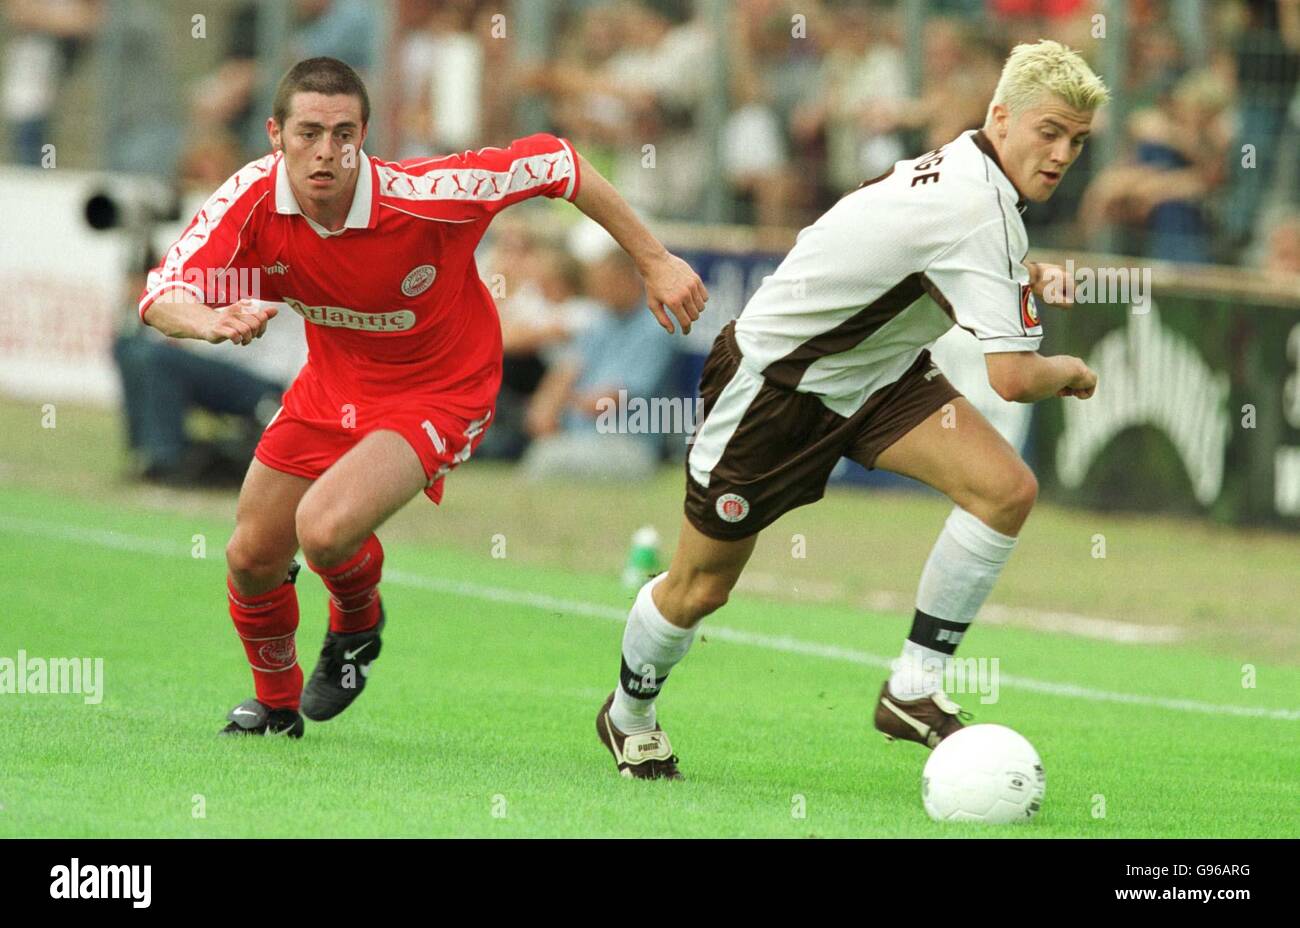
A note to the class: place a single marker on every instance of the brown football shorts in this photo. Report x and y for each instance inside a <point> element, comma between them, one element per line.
<point>769,449</point>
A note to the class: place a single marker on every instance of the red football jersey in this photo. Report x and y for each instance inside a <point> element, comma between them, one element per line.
<point>393,301</point>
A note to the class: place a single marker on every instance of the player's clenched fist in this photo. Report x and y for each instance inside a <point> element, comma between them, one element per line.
<point>671,286</point>
<point>239,323</point>
<point>1082,386</point>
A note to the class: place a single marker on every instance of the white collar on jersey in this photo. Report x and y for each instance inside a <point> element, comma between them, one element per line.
<point>286,204</point>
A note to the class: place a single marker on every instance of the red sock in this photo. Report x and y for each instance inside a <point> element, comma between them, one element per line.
<point>354,588</point>
<point>267,623</point>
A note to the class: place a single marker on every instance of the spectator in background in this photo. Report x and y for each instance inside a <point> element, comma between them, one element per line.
<point>511,247</point>
<point>1066,21</point>
<point>137,94</point>
<point>623,350</point>
<point>224,98</point>
<point>343,29</point>
<point>960,76</point>
<point>646,92</point>
<point>773,61</point>
<point>1156,62</point>
<point>164,380</point>
<point>45,38</point>
<point>754,159</point>
<point>440,82</point>
<point>542,310</point>
<point>1281,257</point>
<point>782,42</point>
<point>560,84</point>
<point>163,383</point>
<point>1266,57</point>
<point>210,157</point>
<point>589,115</point>
<point>862,74</point>
<point>1178,162</point>
<point>552,310</point>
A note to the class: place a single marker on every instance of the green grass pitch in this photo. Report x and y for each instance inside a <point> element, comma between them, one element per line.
<point>478,720</point>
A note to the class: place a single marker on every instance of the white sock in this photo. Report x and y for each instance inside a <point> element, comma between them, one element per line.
<point>652,646</point>
<point>961,570</point>
<point>918,672</point>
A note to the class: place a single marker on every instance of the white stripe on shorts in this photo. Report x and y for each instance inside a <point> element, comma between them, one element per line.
<point>722,422</point>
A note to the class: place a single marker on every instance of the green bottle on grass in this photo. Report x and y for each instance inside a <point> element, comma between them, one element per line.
<point>643,560</point>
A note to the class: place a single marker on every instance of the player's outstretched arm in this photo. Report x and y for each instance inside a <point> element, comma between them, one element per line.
<point>670,284</point>
<point>1027,376</point>
<point>178,314</point>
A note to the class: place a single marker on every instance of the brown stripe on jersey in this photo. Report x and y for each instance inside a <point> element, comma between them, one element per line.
<point>937,295</point>
<point>789,370</point>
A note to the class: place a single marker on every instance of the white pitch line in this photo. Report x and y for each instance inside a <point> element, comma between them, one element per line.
<point>788,645</point>
<point>1065,623</point>
<point>782,643</point>
<point>103,538</point>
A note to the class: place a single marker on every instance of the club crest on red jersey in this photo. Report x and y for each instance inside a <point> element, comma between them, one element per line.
<point>419,280</point>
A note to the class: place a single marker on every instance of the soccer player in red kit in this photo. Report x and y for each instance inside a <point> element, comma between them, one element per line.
<point>404,354</point>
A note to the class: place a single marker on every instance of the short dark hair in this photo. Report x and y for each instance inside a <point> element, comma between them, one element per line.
<point>319,75</point>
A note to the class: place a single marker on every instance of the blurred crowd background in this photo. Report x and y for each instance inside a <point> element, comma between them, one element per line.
<point>758,113</point>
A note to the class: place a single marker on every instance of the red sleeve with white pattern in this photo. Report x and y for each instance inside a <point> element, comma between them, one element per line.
<point>217,241</point>
<point>489,179</point>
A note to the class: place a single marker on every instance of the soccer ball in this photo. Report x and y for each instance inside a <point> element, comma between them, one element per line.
<point>984,773</point>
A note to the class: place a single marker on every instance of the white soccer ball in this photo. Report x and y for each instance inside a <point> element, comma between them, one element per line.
<point>983,773</point>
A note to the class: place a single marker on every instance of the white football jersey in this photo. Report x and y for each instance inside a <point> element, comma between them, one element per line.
<point>937,241</point>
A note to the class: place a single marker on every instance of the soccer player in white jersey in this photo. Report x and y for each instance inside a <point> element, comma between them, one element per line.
<point>830,358</point>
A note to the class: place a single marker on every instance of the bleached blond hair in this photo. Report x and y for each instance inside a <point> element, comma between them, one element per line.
<point>1047,68</point>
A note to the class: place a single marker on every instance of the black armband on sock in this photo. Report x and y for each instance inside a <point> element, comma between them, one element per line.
<point>638,685</point>
<point>935,633</point>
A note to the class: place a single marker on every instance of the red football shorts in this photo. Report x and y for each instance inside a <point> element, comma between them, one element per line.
<point>307,448</point>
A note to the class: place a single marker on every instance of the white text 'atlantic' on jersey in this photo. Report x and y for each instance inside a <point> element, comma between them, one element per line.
<point>893,265</point>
